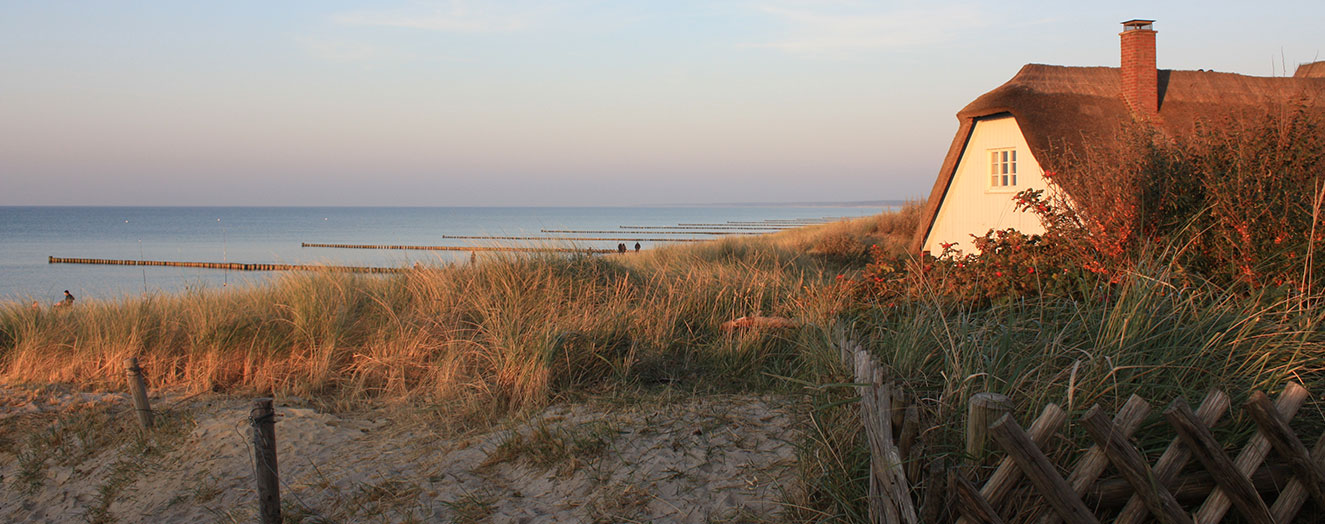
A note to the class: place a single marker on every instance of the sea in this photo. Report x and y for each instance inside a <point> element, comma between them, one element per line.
<point>30,235</point>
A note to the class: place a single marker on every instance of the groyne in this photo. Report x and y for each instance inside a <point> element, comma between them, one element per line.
<point>617,231</point>
<point>773,224</point>
<point>775,227</point>
<point>508,249</point>
<point>233,266</point>
<point>605,239</point>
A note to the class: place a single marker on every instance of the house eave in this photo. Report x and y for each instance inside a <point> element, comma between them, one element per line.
<point>947,171</point>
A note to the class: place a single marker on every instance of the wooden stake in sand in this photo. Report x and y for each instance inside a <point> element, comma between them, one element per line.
<point>138,388</point>
<point>263,419</point>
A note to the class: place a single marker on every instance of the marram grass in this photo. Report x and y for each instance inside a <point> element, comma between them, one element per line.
<point>1148,336</point>
<point>508,333</point>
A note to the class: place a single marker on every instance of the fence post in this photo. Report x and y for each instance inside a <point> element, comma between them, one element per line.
<point>138,388</point>
<point>982,410</point>
<point>263,419</point>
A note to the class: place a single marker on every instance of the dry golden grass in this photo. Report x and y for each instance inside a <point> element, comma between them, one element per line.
<point>510,333</point>
<point>476,343</point>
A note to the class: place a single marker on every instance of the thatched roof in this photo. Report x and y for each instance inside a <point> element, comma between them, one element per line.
<point>1061,108</point>
<point>1311,70</point>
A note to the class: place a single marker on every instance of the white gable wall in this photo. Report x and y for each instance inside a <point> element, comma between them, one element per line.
<point>971,206</point>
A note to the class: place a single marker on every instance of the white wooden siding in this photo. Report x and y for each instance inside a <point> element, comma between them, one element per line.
<point>971,206</point>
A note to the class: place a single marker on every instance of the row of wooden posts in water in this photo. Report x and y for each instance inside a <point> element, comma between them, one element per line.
<point>611,231</point>
<point>240,266</point>
<point>598,239</point>
<point>756,228</point>
<point>691,229</point>
<point>233,266</point>
<point>464,248</point>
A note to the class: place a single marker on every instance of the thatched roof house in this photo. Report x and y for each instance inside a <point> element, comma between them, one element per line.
<point>1007,134</point>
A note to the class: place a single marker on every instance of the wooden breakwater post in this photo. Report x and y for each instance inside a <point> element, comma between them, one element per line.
<point>262,417</point>
<point>138,388</point>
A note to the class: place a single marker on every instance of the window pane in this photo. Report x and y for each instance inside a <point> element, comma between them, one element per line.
<point>1005,156</point>
<point>1014,177</point>
<point>1005,180</point>
<point>993,180</point>
<point>1005,168</point>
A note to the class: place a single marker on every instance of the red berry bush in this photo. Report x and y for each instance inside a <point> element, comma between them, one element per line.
<point>1238,203</point>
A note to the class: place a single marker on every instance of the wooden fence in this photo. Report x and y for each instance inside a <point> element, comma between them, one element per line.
<point>1025,485</point>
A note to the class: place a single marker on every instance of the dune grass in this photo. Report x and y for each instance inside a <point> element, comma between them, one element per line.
<point>477,343</point>
<point>509,333</point>
<point>1145,336</point>
<point>1156,334</point>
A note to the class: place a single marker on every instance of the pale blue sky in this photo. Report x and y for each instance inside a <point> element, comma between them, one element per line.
<point>544,103</point>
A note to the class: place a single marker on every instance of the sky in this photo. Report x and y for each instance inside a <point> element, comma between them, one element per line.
<point>553,102</point>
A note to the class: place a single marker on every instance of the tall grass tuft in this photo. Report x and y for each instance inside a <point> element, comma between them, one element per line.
<point>1155,334</point>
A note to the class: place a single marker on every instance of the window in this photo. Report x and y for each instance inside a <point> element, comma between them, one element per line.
<point>1002,168</point>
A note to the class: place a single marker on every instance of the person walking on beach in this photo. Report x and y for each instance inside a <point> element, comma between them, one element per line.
<point>637,247</point>
<point>621,247</point>
<point>68,300</point>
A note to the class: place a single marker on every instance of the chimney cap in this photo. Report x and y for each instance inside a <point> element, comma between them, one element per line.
<point>1138,25</point>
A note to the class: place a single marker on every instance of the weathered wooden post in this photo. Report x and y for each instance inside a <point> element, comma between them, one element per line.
<point>263,419</point>
<point>138,388</point>
<point>983,410</point>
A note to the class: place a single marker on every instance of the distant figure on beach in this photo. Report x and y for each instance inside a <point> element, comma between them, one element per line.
<point>621,247</point>
<point>637,247</point>
<point>68,300</point>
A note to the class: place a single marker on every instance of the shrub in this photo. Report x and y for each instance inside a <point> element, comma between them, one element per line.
<point>1237,200</point>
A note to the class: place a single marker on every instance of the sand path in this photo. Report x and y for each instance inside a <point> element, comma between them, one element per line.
<point>688,459</point>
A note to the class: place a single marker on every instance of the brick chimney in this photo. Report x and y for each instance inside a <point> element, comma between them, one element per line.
<point>1140,77</point>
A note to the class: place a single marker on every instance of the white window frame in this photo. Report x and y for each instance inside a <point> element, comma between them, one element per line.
<point>1002,169</point>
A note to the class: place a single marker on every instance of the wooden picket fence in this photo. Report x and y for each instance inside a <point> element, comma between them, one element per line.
<point>1026,486</point>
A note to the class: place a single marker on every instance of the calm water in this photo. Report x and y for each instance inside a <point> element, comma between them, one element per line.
<point>28,235</point>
